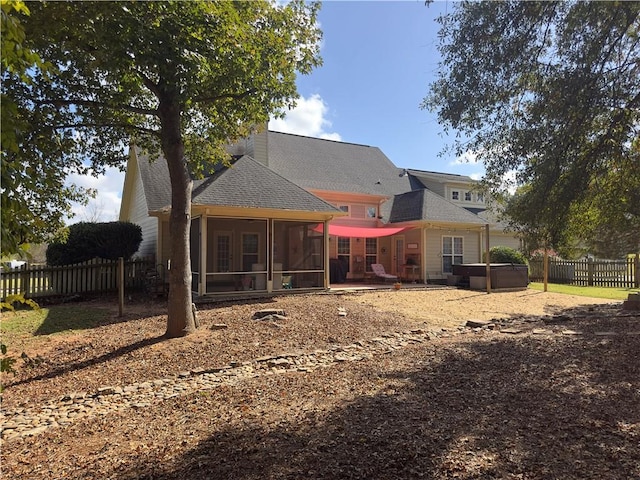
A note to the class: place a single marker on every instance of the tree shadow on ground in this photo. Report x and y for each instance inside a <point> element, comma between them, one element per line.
<point>90,362</point>
<point>510,407</point>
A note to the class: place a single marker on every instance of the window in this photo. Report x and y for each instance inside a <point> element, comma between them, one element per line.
<point>480,197</point>
<point>344,208</point>
<point>372,212</point>
<point>467,196</point>
<point>451,253</point>
<point>344,251</point>
<point>371,253</point>
<point>223,252</point>
<point>455,195</point>
<point>250,248</point>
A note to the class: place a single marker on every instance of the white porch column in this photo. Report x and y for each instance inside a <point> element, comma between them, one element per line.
<point>327,269</point>
<point>202,287</point>
<point>423,254</point>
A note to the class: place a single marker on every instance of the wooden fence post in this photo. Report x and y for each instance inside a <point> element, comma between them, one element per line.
<point>120,285</point>
<point>545,268</point>
<point>636,271</point>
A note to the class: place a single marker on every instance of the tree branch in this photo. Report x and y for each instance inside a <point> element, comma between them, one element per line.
<point>102,125</point>
<point>92,103</point>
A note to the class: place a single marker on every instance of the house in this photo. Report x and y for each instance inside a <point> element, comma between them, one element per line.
<point>301,212</point>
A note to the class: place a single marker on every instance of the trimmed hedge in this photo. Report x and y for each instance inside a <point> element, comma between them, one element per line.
<point>108,240</point>
<point>505,255</point>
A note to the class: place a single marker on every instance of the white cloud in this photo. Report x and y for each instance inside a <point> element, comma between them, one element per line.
<point>106,206</point>
<point>307,118</point>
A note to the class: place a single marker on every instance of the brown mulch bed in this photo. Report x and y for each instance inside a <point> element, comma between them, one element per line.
<point>479,405</point>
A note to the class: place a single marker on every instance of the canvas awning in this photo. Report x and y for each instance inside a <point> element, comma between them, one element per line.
<point>358,232</point>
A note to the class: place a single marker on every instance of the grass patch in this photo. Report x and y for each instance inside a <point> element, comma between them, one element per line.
<point>50,321</point>
<point>611,293</point>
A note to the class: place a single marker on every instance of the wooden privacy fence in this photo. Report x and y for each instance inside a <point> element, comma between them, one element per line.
<point>593,273</point>
<point>95,276</point>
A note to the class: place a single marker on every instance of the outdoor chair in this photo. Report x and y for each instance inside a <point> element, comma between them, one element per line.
<point>378,270</point>
<point>286,282</point>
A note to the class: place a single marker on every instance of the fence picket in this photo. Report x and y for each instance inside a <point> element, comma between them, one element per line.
<point>599,273</point>
<point>95,276</point>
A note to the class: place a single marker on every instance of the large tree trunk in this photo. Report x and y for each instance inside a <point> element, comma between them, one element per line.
<point>180,321</point>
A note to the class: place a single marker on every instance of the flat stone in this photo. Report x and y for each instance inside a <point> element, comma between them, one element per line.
<point>267,312</point>
<point>278,362</point>
<point>571,332</point>
<point>512,331</point>
<point>477,323</point>
<point>541,331</point>
<point>106,390</point>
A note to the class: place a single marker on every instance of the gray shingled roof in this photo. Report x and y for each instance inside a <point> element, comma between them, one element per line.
<point>319,164</point>
<point>246,183</point>
<point>441,177</point>
<point>424,205</point>
<point>250,184</point>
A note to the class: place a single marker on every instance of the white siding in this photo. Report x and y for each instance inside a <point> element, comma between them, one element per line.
<point>501,240</point>
<point>258,147</point>
<point>139,215</point>
<point>470,246</point>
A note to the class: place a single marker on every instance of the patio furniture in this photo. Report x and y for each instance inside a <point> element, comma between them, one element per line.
<point>378,270</point>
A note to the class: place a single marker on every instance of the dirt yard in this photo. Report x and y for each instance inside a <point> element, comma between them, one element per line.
<point>550,388</point>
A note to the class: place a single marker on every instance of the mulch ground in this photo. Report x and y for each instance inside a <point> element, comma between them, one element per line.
<point>479,405</point>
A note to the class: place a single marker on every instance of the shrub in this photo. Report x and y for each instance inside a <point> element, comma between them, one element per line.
<point>85,241</point>
<point>505,255</point>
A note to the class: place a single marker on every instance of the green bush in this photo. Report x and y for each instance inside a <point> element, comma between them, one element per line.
<point>505,255</point>
<point>85,241</point>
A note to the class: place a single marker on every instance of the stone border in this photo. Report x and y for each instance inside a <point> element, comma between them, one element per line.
<point>27,422</point>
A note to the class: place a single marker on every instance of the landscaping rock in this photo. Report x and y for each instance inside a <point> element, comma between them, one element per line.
<point>477,323</point>
<point>261,314</point>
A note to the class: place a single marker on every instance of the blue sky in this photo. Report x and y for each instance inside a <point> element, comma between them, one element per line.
<point>379,58</point>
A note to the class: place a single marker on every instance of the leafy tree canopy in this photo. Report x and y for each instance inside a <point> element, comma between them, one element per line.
<point>548,93</point>
<point>179,78</point>
<point>35,197</point>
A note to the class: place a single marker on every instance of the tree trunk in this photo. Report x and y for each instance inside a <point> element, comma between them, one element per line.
<point>180,320</point>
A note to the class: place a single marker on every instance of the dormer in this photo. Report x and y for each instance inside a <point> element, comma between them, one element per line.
<point>458,189</point>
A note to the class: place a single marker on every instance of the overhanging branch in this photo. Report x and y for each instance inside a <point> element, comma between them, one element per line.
<point>105,125</point>
<point>91,103</point>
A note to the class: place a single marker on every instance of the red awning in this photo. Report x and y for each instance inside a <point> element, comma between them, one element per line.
<point>358,232</point>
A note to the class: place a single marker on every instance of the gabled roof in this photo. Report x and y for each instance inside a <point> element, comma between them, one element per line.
<point>250,184</point>
<point>441,177</point>
<point>318,164</point>
<point>425,206</point>
<point>246,183</point>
